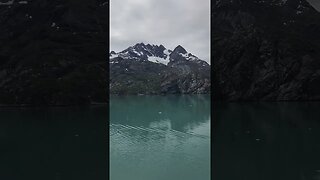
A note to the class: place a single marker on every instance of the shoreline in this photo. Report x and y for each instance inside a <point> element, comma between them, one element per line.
<point>158,94</point>
<point>51,105</point>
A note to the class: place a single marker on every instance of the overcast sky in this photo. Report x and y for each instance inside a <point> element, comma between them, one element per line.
<point>166,22</point>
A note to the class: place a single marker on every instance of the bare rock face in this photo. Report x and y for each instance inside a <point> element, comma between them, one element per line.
<point>53,52</point>
<point>153,69</point>
<point>265,50</point>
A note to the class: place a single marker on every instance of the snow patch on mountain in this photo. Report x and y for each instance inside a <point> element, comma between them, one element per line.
<point>138,53</point>
<point>189,56</point>
<point>167,52</point>
<point>154,59</point>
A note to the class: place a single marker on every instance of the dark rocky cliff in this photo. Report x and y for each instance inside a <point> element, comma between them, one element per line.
<point>265,50</point>
<point>53,52</point>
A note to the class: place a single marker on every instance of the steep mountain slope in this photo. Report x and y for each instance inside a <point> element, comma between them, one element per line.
<point>152,69</point>
<point>52,52</point>
<point>266,50</point>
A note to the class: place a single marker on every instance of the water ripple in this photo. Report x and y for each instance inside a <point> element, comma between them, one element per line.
<point>117,128</point>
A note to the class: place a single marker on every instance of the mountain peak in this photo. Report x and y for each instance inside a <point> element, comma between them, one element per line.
<point>161,46</point>
<point>179,49</point>
<point>140,44</point>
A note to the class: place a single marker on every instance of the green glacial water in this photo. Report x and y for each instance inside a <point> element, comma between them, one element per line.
<point>160,137</point>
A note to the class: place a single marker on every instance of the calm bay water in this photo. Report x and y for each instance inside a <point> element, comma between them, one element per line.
<point>160,137</point>
<point>53,143</point>
<point>264,141</point>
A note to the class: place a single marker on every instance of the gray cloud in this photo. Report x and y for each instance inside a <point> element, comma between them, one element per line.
<point>166,22</point>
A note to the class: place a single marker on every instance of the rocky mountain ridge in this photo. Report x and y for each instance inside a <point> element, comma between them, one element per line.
<point>156,54</point>
<point>153,69</point>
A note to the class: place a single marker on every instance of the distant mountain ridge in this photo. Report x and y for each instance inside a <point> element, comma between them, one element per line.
<point>156,54</point>
<point>154,69</point>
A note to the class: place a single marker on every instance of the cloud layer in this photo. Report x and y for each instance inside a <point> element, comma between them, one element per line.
<point>166,22</point>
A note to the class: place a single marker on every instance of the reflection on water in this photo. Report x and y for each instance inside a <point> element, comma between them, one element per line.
<point>160,137</point>
<point>264,141</point>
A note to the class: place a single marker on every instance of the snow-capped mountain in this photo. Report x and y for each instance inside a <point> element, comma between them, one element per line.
<point>154,69</point>
<point>156,54</point>
<point>142,52</point>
